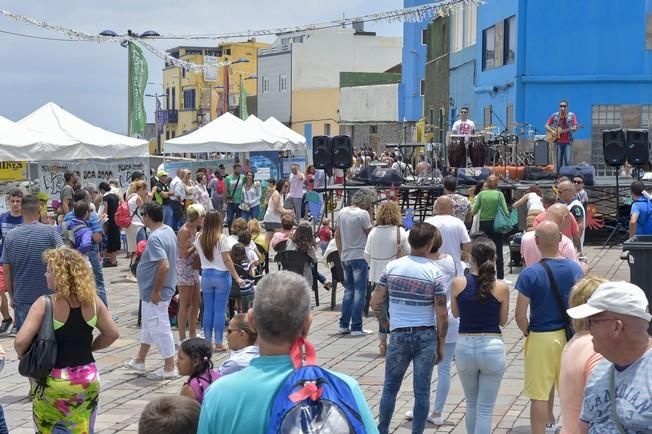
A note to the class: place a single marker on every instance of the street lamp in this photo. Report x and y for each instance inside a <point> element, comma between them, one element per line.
<point>125,43</point>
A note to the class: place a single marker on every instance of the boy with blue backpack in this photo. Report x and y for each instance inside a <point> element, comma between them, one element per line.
<point>283,390</point>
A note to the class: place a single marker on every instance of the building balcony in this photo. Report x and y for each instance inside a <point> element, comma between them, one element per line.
<point>172,116</point>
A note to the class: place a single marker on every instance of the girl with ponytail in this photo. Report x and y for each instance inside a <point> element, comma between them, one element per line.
<point>482,304</point>
<point>194,361</point>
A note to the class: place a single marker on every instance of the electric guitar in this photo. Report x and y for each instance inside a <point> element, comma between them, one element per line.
<point>553,136</point>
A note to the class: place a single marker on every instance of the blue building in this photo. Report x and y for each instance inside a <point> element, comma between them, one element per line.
<point>463,68</point>
<point>529,55</point>
<point>412,86</point>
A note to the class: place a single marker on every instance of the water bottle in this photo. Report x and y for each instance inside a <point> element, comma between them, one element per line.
<point>506,174</point>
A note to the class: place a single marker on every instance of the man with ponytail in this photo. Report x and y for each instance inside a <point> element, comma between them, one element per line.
<point>540,286</point>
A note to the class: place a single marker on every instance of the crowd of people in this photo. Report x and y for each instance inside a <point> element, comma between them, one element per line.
<point>437,290</point>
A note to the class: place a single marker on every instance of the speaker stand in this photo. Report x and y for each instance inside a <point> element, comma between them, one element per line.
<point>618,226</point>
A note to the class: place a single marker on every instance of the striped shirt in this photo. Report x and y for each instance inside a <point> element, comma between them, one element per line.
<point>412,283</point>
<point>23,250</point>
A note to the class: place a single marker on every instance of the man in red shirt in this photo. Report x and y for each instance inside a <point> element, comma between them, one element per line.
<point>565,121</point>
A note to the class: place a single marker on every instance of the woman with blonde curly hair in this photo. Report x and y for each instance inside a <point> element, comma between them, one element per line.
<point>386,241</point>
<point>70,394</point>
<point>577,360</point>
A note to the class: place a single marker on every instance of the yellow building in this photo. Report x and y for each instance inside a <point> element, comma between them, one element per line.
<point>192,99</point>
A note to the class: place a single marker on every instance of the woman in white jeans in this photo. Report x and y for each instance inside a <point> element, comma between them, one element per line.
<point>482,304</point>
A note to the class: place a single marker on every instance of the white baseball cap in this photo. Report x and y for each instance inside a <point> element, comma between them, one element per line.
<point>618,297</point>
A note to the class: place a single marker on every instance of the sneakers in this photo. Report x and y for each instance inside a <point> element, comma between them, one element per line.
<point>5,326</point>
<point>162,374</point>
<point>134,367</point>
<point>361,332</point>
<point>433,420</point>
<point>343,330</point>
<point>551,427</point>
<point>12,333</point>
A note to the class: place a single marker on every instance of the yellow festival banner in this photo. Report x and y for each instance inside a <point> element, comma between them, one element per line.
<point>13,170</point>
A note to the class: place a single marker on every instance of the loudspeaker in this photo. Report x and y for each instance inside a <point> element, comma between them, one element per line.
<point>342,152</point>
<point>541,153</point>
<point>638,148</point>
<point>321,152</point>
<point>613,147</point>
<point>385,176</point>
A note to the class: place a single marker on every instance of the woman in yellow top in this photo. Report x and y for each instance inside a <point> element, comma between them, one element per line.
<point>486,204</point>
<point>71,393</point>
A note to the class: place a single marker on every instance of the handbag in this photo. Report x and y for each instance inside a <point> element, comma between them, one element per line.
<point>504,223</point>
<point>244,207</point>
<point>568,326</point>
<point>41,357</point>
<point>399,251</point>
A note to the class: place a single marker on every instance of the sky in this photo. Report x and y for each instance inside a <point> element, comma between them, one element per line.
<point>90,79</point>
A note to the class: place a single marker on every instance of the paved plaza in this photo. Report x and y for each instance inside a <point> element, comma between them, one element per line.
<point>124,395</point>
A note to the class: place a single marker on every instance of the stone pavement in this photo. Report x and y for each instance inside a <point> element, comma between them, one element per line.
<point>123,395</point>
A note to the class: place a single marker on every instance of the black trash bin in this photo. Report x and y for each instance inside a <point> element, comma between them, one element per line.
<point>639,259</point>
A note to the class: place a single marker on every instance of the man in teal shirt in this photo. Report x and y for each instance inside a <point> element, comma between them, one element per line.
<point>241,402</point>
<point>234,184</point>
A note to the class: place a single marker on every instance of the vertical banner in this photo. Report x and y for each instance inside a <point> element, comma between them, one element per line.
<point>137,84</point>
<point>225,94</point>
<point>244,113</point>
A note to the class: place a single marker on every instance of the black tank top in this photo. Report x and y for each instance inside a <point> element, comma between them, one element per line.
<point>74,341</point>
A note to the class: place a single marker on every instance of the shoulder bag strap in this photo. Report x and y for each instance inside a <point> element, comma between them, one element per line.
<point>46,330</point>
<point>555,291</point>
<point>612,398</point>
<point>398,238</point>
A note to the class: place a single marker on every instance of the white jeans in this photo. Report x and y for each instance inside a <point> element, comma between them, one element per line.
<point>155,329</point>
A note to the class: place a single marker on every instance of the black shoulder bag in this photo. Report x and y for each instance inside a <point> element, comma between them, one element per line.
<point>568,326</point>
<point>40,358</point>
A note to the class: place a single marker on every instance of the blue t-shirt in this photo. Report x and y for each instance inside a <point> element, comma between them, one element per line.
<point>412,283</point>
<point>162,244</point>
<point>643,208</point>
<point>7,223</point>
<point>533,282</point>
<point>633,397</point>
<point>241,402</point>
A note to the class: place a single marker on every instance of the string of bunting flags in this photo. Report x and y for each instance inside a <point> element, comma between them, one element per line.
<point>413,14</point>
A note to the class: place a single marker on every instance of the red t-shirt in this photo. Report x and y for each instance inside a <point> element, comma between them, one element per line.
<point>573,228</point>
<point>325,233</point>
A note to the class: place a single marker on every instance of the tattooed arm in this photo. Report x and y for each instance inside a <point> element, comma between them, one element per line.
<point>441,312</point>
<point>378,306</point>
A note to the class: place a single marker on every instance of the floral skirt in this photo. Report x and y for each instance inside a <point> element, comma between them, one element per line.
<point>68,402</point>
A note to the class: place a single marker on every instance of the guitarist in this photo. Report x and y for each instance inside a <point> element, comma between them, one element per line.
<point>559,121</point>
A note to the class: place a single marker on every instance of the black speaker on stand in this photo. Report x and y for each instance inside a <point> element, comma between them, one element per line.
<point>342,152</point>
<point>637,147</point>
<point>321,152</point>
<point>615,155</point>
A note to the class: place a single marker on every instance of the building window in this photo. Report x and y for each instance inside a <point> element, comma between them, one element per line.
<point>282,83</point>
<point>373,129</point>
<point>327,129</point>
<point>297,39</point>
<point>470,24</point>
<point>189,99</point>
<point>488,48</point>
<point>227,52</point>
<point>510,41</point>
<point>183,72</point>
<point>173,134</point>
<point>424,36</point>
<point>422,88</point>
<point>648,33</point>
<point>265,84</point>
<point>167,135</point>
<point>457,30</point>
<point>487,116</point>
<point>174,98</point>
<point>285,42</point>
<point>167,98</point>
<point>604,117</point>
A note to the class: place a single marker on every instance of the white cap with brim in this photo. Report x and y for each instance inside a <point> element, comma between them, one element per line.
<point>618,297</point>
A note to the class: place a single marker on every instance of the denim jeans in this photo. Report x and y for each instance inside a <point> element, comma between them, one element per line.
<point>252,213</point>
<point>233,211</point>
<point>94,259</point>
<point>564,155</point>
<point>443,378</point>
<point>420,348</point>
<point>356,274</point>
<point>3,423</point>
<point>480,365</point>
<point>168,215</point>
<point>215,288</point>
<point>21,310</point>
<point>487,226</point>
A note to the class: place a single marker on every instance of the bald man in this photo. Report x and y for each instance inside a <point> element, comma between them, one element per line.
<point>559,214</point>
<point>545,328</point>
<point>455,238</point>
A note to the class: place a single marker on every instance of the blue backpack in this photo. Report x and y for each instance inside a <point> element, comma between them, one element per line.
<point>312,400</point>
<point>77,235</point>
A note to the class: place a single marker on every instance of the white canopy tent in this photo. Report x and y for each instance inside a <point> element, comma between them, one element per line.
<point>276,127</point>
<point>20,144</point>
<point>67,137</point>
<point>229,134</point>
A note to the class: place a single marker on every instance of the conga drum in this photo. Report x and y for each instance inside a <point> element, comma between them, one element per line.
<point>477,150</point>
<point>456,151</point>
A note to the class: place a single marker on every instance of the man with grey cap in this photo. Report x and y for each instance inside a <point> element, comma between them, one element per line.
<point>618,394</point>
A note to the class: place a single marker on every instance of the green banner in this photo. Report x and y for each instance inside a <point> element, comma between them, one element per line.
<point>137,84</point>
<point>244,113</point>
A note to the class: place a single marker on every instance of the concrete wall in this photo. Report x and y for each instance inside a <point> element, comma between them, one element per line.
<point>317,62</point>
<point>369,103</point>
<point>275,102</point>
<point>362,136</point>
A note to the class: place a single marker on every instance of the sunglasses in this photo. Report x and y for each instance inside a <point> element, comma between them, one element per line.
<point>578,182</point>
<point>563,105</point>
